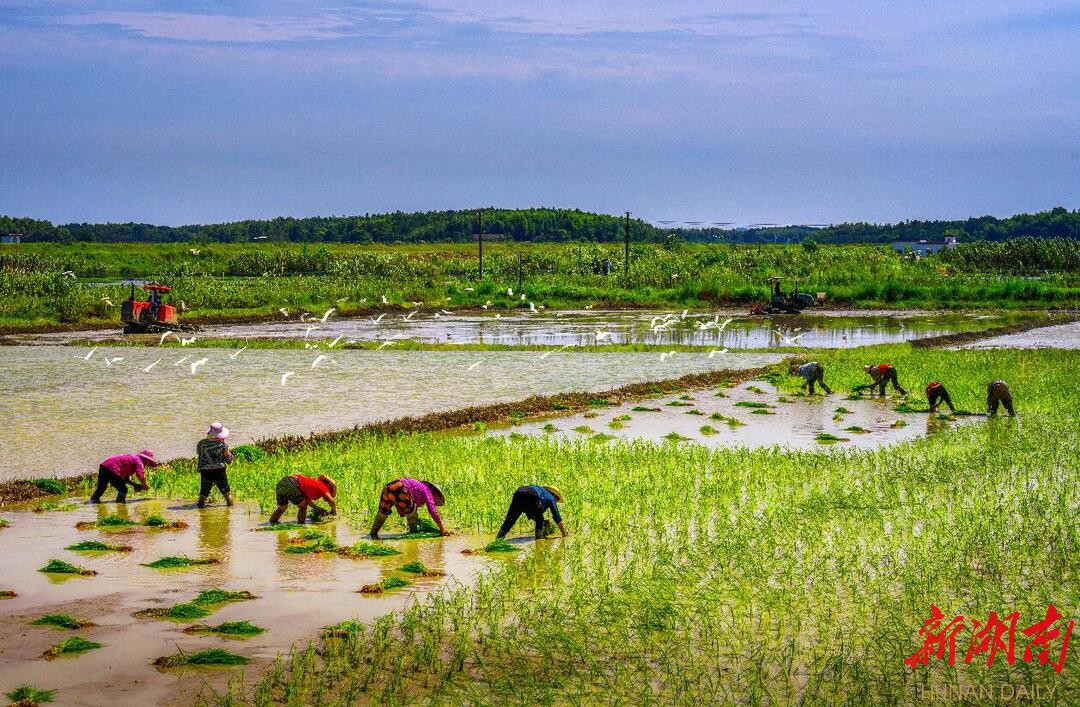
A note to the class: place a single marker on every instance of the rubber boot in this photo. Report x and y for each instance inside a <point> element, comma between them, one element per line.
<point>202,501</point>
<point>377,524</point>
<point>228,500</point>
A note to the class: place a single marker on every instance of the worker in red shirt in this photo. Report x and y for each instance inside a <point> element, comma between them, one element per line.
<point>936,394</point>
<point>303,491</point>
<point>880,375</point>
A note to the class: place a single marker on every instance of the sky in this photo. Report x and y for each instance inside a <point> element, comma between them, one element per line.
<point>774,111</point>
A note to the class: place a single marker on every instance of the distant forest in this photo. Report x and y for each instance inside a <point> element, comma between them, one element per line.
<point>536,225</point>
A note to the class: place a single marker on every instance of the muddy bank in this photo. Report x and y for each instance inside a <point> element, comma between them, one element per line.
<point>1060,336</point>
<point>25,490</point>
<point>961,338</point>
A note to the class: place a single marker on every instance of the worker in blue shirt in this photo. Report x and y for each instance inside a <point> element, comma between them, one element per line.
<point>533,502</point>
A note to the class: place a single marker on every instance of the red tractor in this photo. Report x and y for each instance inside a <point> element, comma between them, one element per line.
<point>151,315</point>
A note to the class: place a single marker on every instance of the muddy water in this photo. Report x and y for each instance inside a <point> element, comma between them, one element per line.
<point>793,424</point>
<point>297,595</point>
<point>1061,336</point>
<point>65,414</point>
<point>579,327</point>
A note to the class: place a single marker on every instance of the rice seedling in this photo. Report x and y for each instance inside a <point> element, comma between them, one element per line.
<point>500,545</point>
<point>46,506</point>
<point>425,528</point>
<point>26,696</point>
<point>66,621</point>
<point>207,657</point>
<point>549,428</point>
<point>897,424</point>
<point>675,437</point>
<point>50,486</point>
<point>216,597</point>
<point>387,585</point>
<point>280,526</point>
<point>109,521</point>
<point>856,429</point>
<point>752,404</point>
<point>642,408</point>
<point>584,430</point>
<point>312,541</point>
<point>4,523</point>
<point>160,523</point>
<point>828,438</point>
<point>7,594</point>
<point>61,567</point>
<point>248,453</point>
<point>232,629</point>
<point>181,562</point>
<point>177,612</point>
<point>417,567</point>
<point>708,430</point>
<point>678,404</point>
<point>762,411</point>
<point>70,646</point>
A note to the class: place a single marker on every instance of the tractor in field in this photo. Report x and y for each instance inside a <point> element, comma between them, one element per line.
<point>793,303</point>
<point>152,315</point>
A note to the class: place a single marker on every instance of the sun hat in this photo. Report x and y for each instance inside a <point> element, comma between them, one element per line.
<point>867,368</point>
<point>218,431</point>
<point>439,495</point>
<point>554,491</point>
<point>148,457</point>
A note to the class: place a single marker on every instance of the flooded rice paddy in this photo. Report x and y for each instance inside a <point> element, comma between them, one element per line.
<point>1060,336</point>
<point>580,328</point>
<point>296,596</point>
<point>73,411</point>
<point>748,415</point>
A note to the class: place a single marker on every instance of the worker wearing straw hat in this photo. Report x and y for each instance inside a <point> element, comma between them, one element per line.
<point>214,457</point>
<point>303,491</point>
<point>117,471</point>
<point>406,496</point>
<point>880,375</point>
<point>997,393</point>
<point>533,501</point>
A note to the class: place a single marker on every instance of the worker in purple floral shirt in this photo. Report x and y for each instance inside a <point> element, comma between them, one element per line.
<point>406,496</point>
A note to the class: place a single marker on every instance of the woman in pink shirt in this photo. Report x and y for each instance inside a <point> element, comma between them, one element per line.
<point>406,496</point>
<point>117,472</point>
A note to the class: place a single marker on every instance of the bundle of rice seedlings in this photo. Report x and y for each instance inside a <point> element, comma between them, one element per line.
<point>96,546</point>
<point>209,656</point>
<point>109,521</point>
<point>675,437</point>
<point>156,521</point>
<point>50,486</point>
<point>762,411</point>
<point>842,411</point>
<point>856,429</point>
<point>426,528</point>
<point>601,437</point>
<point>898,424</point>
<point>751,404</point>
<point>177,612</point>
<point>281,526</point>
<point>826,438</point>
<point>679,404</point>
<point>212,597</point>
<point>4,523</point>
<point>62,621</point>
<point>54,506</point>
<point>418,567</point>
<point>312,541</point>
<point>363,548</point>
<point>7,594</point>
<point>584,430</point>
<point>642,408</point>
<point>708,430</point>
<point>499,545</point>
<point>236,629</point>
<point>61,567</point>
<point>69,646</point>
<point>248,453</point>
<point>181,561</point>
<point>550,428</point>
<point>388,584</point>
<point>345,629</point>
<point>27,696</point>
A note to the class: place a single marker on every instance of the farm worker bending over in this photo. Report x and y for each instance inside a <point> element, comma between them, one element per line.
<point>811,373</point>
<point>936,394</point>
<point>214,456</point>
<point>303,491</point>
<point>881,374</point>
<point>117,472</point>
<point>406,496</point>
<point>997,393</point>
<point>533,501</point>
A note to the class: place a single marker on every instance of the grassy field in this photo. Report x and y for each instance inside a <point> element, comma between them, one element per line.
<point>229,280</point>
<point>698,577</point>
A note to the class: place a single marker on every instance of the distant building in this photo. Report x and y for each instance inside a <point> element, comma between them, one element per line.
<point>924,247</point>
<point>11,238</point>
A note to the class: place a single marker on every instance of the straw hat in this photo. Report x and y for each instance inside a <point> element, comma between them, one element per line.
<point>440,497</point>
<point>147,457</point>
<point>554,491</point>
<point>218,431</point>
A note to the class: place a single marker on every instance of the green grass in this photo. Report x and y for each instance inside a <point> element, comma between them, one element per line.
<point>207,657</point>
<point>247,452</point>
<point>61,567</point>
<point>180,562</point>
<point>71,646</point>
<point>794,576</point>
<point>26,696</point>
<point>234,629</point>
<point>66,621</point>
<point>345,629</point>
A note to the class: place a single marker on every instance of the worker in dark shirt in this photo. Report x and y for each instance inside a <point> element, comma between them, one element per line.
<point>936,394</point>
<point>997,393</point>
<point>880,375</point>
<point>214,457</point>
<point>533,502</point>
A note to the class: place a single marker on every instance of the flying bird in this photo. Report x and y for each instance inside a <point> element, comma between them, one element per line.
<point>474,365</point>
<point>285,376</point>
<point>196,364</point>
<point>68,273</point>
<point>326,314</point>
<point>717,351</point>
<point>236,353</point>
<point>318,359</point>
<point>284,312</point>
<point>377,319</point>
<point>410,316</point>
<point>185,342</point>
<point>87,356</point>
<point>148,368</point>
<point>384,301</point>
<point>384,344</point>
<point>723,326</point>
<point>166,335</point>
<point>181,360</point>
<point>108,301</point>
<point>110,361</point>
<point>334,343</point>
<point>311,328</point>
<point>602,335</point>
<point>548,353</point>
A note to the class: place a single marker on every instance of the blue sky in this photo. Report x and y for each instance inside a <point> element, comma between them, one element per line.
<point>770,111</point>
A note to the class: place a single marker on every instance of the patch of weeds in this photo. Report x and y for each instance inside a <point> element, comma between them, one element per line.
<point>856,429</point>
<point>61,621</point>
<point>345,629</point>
<point>95,546</point>
<point>708,430</point>
<point>50,486</point>
<point>678,404</point>
<point>27,696</point>
<point>237,629</point>
<point>842,411</point>
<point>751,404</point>
<point>210,656</point>
<point>281,526</point>
<point>61,567</point>
<point>70,646</point>
<point>181,561</point>
<point>642,408</point>
<point>499,545</point>
<point>549,428</point>
<point>675,437</point>
<point>248,453</point>
<point>826,438</point>
<point>584,429</point>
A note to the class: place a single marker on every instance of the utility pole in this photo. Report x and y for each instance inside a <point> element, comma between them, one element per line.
<point>480,239</point>
<point>626,251</point>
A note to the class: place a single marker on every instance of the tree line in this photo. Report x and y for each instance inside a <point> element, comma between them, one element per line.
<point>537,225</point>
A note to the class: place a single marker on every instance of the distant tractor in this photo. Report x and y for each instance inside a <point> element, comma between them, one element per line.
<point>793,303</point>
<point>151,315</point>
